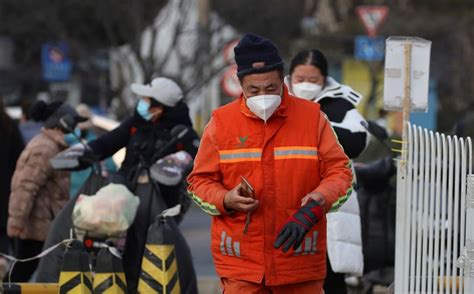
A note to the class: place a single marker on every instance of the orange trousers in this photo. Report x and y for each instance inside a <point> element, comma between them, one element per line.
<point>231,286</point>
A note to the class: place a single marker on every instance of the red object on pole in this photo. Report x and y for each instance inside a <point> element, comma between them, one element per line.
<point>230,82</point>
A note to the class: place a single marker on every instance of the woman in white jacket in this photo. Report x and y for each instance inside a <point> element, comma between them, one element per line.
<point>309,80</point>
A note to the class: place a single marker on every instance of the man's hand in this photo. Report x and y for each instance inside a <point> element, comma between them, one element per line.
<point>234,201</point>
<point>298,225</point>
<point>87,158</point>
<point>316,196</point>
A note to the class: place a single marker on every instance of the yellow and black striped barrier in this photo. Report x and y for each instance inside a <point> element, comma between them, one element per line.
<point>159,270</point>
<point>75,277</point>
<point>109,276</point>
<point>28,288</point>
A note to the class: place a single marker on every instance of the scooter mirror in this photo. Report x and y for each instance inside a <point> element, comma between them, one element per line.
<point>171,169</point>
<point>69,158</point>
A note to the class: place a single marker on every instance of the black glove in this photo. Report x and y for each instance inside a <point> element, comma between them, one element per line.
<point>295,228</point>
<point>87,159</point>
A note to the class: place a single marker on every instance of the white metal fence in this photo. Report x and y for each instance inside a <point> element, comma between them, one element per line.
<point>435,215</point>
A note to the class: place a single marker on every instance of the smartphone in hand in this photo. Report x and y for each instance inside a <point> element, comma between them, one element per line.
<point>246,189</point>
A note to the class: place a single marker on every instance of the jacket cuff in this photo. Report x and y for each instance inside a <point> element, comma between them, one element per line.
<point>328,200</point>
<point>220,203</point>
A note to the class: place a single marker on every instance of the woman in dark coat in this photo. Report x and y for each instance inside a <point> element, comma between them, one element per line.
<point>147,132</point>
<point>146,135</point>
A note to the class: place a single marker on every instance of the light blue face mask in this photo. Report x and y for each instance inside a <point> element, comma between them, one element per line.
<point>143,110</point>
<point>71,139</point>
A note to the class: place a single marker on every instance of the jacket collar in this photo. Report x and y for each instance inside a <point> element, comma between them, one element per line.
<point>55,136</point>
<point>331,85</point>
<point>280,112</point>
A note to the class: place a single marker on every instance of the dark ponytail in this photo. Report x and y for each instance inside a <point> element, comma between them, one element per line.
<point>38,111</point>
<point>310,57</point>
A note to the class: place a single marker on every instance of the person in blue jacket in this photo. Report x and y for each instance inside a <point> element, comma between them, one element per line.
<point>85,132</point>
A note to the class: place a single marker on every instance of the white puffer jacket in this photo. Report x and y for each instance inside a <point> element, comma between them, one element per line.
<point>344,237</point>
<point>344,233</point>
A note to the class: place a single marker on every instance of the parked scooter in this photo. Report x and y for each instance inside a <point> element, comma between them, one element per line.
<point>145,186</point>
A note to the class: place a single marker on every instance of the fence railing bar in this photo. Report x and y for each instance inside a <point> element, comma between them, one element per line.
<point>431,217</point>
<point>457,181</point>
<point>440,151</point>
<point>469,280</point>
<point>426,190</point>
<point>413,210</point>
<point>449,225</point>
<point>419,209</point>
<point>405,196</point>
<point>463,206</point>
<point>443,211</point>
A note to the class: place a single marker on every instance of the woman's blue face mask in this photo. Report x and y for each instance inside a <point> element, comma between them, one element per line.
<point>71,139</point>
<point>143,109</point>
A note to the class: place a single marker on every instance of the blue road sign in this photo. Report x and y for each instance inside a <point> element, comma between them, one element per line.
<point>369,48</point>
<point>55,62</point>
<point>428,119</point>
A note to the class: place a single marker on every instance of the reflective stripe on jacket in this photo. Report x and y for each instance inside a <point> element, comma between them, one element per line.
<point>294,153</point>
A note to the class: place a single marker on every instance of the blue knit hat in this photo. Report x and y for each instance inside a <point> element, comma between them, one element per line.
<point>255,54</point>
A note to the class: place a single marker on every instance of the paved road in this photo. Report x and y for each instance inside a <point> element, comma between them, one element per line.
<point>195,228</point>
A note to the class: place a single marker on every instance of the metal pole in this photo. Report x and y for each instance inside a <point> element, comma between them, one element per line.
<point>402,246</point>
<point>203,7</point>
<point>406,102</point>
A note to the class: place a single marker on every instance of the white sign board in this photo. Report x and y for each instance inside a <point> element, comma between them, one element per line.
<point>394,79</point>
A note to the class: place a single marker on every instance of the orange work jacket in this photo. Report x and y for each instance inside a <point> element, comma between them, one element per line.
<point>294,153</point>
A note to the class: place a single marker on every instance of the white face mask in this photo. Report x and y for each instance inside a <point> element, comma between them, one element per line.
<point>307,90</point>
<point>263,106</point>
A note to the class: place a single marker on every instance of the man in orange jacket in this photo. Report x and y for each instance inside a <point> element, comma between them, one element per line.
<point>275,241</point>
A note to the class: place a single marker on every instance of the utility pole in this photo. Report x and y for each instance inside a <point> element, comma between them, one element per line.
<point>203,58</point>
<point>203,7</point>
